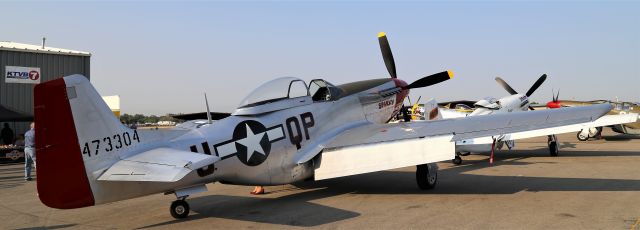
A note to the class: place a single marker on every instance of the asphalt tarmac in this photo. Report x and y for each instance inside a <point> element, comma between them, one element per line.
<point>591,185</point>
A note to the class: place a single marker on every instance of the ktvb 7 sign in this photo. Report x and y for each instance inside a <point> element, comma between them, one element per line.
<point>25,75</point>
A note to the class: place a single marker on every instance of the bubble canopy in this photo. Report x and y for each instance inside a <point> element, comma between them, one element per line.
<point>275,90</point>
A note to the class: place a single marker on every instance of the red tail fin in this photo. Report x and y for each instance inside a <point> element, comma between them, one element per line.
<point>62,179</point>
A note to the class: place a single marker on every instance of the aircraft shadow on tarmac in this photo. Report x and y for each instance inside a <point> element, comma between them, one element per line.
<point>565,145</point>
<point>291,210</point>
<point>298,210</point>
<point>621,137</point>
<point>49,227</point>
<point>544,152</point>
<point>456,180</point>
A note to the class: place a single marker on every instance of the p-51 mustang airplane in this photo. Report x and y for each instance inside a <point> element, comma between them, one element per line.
<point>283,132</point>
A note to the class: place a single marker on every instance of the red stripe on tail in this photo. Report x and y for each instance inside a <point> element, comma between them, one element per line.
<point>62,180</point>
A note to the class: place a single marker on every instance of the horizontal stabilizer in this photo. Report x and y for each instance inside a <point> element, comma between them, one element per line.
<point>157,165</point>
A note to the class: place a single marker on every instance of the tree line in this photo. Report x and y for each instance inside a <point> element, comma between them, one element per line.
<point>143,119</point>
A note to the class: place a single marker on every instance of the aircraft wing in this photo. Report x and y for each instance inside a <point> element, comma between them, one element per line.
<point>376,147</point>
<point>606,120</point>
<point>157,165</point>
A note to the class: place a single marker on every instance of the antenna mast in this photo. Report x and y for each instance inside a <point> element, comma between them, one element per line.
<point>208,111</point>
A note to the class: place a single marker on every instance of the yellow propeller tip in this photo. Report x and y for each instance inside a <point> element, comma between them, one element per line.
<point>450,73</point>
<point>382,34</point>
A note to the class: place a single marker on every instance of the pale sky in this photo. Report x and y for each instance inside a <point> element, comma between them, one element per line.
<point>161,57</point>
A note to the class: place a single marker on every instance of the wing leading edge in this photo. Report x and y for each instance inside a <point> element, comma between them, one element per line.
<point>606,120</point>
<point>471,127</point>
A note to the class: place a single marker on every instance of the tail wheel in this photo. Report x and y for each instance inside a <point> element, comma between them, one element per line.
<point>427,176</point>
<point>179,209</point>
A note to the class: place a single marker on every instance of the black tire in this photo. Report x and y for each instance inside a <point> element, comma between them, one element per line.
<point>582,138</point>
<point>553,148</point>
<point>427,176</point>
<point>457,160</point>
<point>179,209</point>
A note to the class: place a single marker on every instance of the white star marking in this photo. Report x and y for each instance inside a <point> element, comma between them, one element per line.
<point>252,142</point>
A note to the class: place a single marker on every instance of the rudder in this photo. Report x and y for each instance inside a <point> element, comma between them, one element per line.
<point>61,178</point>
<point>77,138</point>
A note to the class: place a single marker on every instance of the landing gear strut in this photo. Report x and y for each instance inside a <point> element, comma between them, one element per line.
<point>493,149</point>
<point>457,160</point>
<point>552,141</point>
<point>427,176</point>
<point>179,208</point>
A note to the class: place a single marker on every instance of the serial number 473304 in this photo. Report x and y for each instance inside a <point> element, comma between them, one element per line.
<point>110,143</point>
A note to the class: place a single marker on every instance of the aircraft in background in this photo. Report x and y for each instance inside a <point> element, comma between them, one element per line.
<point>489,106</point>
<point>283,132</point>
<point>515,102</point>
<point>618,108</point>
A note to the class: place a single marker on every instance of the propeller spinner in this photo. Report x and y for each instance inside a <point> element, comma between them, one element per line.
<point>555,103</point>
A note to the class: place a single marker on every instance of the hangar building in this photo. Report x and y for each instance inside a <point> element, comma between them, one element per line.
<point>23,66</point>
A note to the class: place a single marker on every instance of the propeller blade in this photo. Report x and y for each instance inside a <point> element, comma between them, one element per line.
<point>531,108</point>
<point>386,54</point>
<point>536,85</point>
<point>431,80</point>
<point>506,86</point>
<point>557,96</point>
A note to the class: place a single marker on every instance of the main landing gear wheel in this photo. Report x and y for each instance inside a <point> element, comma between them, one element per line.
<point>457,160</point>
<point>179,209</point>
<point>553,146</point>
<point>427,176</point>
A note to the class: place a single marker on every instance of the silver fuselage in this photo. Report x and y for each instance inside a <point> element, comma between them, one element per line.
<point>279,166</point>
